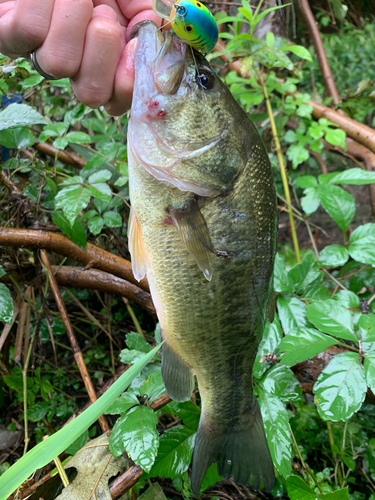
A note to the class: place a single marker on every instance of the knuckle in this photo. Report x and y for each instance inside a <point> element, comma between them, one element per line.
<point>106,30</point>
<point>61,65</point>
<point>92,96</point>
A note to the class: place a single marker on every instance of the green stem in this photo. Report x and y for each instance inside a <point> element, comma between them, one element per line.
<point>25,391</point>
<point>300,456</point>
<point>334,454</point>
<point>133,317</point>
<point>282,169</point>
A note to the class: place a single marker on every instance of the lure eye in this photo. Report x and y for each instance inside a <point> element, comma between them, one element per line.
<point>199,5</point>
<point>189,28</point>
<point>205,79</point>
<point>181,10</point>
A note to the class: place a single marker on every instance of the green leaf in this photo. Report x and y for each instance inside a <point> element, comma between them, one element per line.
<point>336,137</point>
<point>47,450</point>
<point>306,181</point>
<point>175,451</point>
<point>16,138</point>
<point>32,81</point>
<point>340,388</point>
<point>347,299</point>
<point>342,494</point>
<point>211,477</point>
<point>352,176</point>
<point>331,317</point>
<point>315,292</point>
<point>292,313</point>
<point>305,273</point>
<point>369,366</point>
<point>77,444</point>
<point>310,201</point>
<point>72,199</point>
<point>270,39</point>
<point>297,153</point>
<point>339,204</point>
<point>101,190</point>
<point>153,386</point>
<point>277,428</point>
<point>2,272</point>
<point>362,244</point>
<point>367,324</point>
<point>333,256</point>
<point>135,432</point>
<point>272,336</point>
<point>135,341</point>
<point>6,304</point>
<point>299,51</point>
<point>280,382</point>
<point>101,176</point>
<point>187,411</point>
<point>95,224</point>
<point>122,404</point>
<point>78,137</point>
<point>302,344</point>
<point>38,411</point>
<point>19,115</point>
<point>76,232</point>
<point>60,143</point>
<point>282,280</point>
<point>112,219</point>
<point>298,489</point>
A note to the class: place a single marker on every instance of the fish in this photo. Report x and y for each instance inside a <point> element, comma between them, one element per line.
<point>203,230</point>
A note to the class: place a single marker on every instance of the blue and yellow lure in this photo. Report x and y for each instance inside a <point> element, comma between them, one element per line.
<point>192,22</point>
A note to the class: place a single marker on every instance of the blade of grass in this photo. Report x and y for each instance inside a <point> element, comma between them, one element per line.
<point>47,450</point>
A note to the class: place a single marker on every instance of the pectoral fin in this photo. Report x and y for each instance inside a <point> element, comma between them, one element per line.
<point>193,231</point>
<point>177,376</point>
<point>140,257</point>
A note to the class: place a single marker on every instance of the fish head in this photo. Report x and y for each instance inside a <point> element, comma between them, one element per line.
<point>186,128</point>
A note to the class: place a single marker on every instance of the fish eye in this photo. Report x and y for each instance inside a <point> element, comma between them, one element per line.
<point>189,28</point>
<point>205,79</point>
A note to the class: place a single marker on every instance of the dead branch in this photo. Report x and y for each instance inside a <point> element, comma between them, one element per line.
<point>72,338</point>
<point>325,68</point>
<point>92,257</point>
<point>64,156</point>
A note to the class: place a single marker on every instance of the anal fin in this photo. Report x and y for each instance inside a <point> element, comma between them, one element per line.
<point>177,376</point>
<point>193,231</point>
<point>138,252</point>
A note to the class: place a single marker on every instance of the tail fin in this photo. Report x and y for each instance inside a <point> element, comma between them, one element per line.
<point>242,454</point>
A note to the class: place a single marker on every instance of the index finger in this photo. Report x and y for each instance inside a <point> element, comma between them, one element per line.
<point>24,27</point>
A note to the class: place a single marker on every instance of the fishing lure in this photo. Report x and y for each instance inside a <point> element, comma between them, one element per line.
<point>192,22</point>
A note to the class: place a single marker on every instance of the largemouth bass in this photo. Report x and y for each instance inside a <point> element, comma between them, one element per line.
<point>203,230</point>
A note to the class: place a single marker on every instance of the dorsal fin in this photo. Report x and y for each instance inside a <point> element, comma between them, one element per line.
<point>193,231</point>
<point>138,252</point>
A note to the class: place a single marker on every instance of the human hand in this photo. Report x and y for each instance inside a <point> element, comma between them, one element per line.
<point>85,40</point>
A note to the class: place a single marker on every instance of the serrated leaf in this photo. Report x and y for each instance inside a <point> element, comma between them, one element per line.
<point>355,176</point>
<point>282,280</point>
<point>367,324</point>
<point>175,451</point>
<point>369,366</point>
<point>6,304</point>
<point>187,411</point>
<point>362,244</point>
<point>19,115</point>
<point>272,336</point>
<point>306,181</point>
<point>95,224</point>
<point>341,387</point>
<point>310,201</point>
<point>342,494</point>
<point>336,137</point>
<point>122,404</point>
<point>280,382</point>
<point>331,317</point>
<point>339,204</point>
<point>277,428</point>
<point>333,256</point>
<point>112,219</point>
<point>38,411</point>
<point>101,176</point>
<point>101,190</point>
<point>347,299</point>
<point>60,143</point>
<point>305,273</point>
<point>76,232</point>
<point>302,344</point>
<point>292,313</point>
<point>298,489</point>
<point>135,341</point>
<point>153,386</point>
<point>17,138</point>
<point>297,153</point>
<point>72,199</point>
<point>78,137</point>
<point>135,432</point>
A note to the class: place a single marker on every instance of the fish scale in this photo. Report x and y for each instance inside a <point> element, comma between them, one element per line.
<point>211,327</point>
